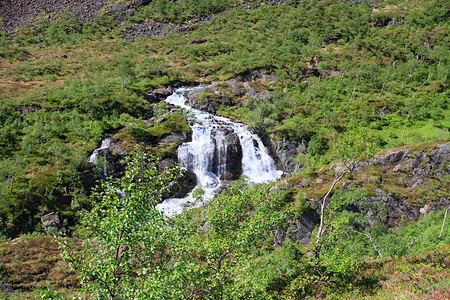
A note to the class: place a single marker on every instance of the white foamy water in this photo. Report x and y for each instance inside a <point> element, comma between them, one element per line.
<point>206,155</point>
<point>106,143</point>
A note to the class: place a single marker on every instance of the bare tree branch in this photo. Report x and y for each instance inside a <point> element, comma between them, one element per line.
<point>443,223</point>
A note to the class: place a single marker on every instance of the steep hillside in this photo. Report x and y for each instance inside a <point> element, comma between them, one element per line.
<point>17,13</point>
<point>350,97</point>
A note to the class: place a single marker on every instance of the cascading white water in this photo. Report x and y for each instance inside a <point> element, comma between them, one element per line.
<point>106,143</point>
<point>206,155</point>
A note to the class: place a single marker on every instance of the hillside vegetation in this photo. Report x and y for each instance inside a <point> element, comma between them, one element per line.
<point>324,75</point>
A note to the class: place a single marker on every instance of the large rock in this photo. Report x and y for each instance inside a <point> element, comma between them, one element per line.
<point>175,137</point>
<point>114,155</point>
<point>231,148</point>
<point>223,93</point>
<point>391,158</point>
<point>285,152</point>
<point>439,156</point>
<point>184,185</point>
<point>298,231</point>
<point>157,95</point>
<point>52,224</point>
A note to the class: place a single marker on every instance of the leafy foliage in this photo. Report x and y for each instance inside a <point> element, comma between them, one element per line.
<point>127,249</point>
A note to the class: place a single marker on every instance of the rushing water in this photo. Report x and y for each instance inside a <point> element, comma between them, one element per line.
<point>206,155</point>
<point>106,143</point>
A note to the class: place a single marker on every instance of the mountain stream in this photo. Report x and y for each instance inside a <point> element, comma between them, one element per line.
<point>220,150</point>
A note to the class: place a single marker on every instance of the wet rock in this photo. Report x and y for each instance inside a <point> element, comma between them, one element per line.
<point>181,188</point>
<point>113,156</point>
<point>233,155</point>
<point>157,95</point>
<point>226,176</point>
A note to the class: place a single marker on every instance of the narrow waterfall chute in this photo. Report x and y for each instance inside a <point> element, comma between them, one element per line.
<point>106,143</point>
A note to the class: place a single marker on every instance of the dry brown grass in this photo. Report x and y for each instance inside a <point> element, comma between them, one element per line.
<point>26,263</point>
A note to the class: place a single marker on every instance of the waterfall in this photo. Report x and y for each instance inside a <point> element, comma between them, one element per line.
<point>220,150</point>
<point>106,143</point>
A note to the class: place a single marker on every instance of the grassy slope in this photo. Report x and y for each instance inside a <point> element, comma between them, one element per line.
<point>64,75</point>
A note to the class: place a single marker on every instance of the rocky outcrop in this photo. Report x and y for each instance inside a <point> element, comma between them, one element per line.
<point>209,98</point>
<point>391,158</point>
<point>419,166</point>
<point>285,151</point>
<point>233,156</point>
<point>385,208</point>
<point>52,225</point>
<point>157,95</point>
<point>113,155</point>
<point>175,137</point>
<point>298,231</point>
<point>16,13</point>
<point>149,29</point>
<point>182,187</point>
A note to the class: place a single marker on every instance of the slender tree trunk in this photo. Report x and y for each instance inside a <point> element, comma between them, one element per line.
<point>386,81</point>
<point>11,186</point>
<point>369,236</point>
<point>429,76</point>
<point>324,201</point>
<point>404,128</point>
<point>354,89</point>
<point>443,223</point>
<point>307,101</point>
<point>382,88</point>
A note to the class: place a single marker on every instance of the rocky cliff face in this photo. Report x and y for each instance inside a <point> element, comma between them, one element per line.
<point>285,151</point>
<point>410,172</point>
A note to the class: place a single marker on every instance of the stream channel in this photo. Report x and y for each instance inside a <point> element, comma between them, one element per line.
<point>221,150</point>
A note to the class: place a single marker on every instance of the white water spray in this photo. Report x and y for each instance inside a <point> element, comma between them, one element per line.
<point>206,155</point>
